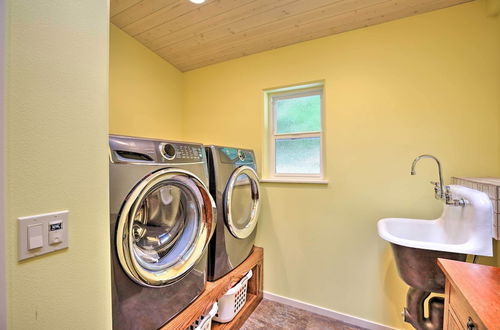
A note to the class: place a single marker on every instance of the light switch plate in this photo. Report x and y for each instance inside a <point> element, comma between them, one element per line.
<point>44,220</point>
<point>35,236</point>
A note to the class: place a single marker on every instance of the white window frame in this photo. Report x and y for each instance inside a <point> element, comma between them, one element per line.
<point>271,136</point>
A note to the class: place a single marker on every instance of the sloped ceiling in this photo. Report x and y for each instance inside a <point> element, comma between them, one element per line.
<point>191,36</point>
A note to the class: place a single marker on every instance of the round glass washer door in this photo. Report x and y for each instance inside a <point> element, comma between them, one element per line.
<point>242,202</point>
<point>164,227</point>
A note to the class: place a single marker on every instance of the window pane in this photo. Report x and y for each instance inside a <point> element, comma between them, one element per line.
<point>301,156</point>
<point>298,114</point>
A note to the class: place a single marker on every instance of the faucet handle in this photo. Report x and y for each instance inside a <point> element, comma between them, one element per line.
<point>437,189</point>
<point>450,200</point>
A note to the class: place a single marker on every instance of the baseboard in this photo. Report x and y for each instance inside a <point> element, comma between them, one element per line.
<point>327,312</point>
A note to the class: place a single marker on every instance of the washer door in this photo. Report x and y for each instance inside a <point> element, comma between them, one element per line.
<point>242,202</point>
<point>164,227</point>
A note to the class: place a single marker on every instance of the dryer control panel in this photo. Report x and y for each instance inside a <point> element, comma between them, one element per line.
<point>235,156</point>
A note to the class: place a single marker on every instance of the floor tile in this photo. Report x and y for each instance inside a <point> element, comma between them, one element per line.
<point>271,315</point>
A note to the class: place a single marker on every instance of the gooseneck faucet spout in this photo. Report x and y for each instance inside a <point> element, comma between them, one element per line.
<point>439,194</point>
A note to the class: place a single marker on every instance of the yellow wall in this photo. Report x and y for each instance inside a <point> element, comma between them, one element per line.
<point>56,159</point>
<point>145,91</point>
<point>424,84</point>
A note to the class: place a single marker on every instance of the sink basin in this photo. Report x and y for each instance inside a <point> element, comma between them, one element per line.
<point>460,229</point>
<point>417,244</point>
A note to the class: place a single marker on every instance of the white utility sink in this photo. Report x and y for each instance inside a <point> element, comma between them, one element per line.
<point>461,229</point>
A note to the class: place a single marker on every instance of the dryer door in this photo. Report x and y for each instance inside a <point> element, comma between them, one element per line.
<point>242,202</point>
<point>164,226</point>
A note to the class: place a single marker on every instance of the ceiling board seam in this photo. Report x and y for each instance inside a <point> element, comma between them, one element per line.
<point>124,9</point>
<point>169,4</point>
<point>173,18</point>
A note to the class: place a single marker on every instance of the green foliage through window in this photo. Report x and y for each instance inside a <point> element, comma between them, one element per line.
<point>300,156</point>
<point>298,114</point>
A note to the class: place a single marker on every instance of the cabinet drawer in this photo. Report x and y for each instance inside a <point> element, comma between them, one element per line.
<point>452,324</point>
<point>463,312</point>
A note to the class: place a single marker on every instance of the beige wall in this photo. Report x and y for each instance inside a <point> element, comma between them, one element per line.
<point>56,159</point>
<point>3,284</point>
<point>424,84</point>
<point>145,91</point>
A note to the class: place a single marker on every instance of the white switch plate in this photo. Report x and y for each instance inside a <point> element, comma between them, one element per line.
<point>43,219</point>
<point>35,236</point>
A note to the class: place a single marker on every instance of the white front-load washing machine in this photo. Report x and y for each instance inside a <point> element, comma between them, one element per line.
<point>234,184</point>
<point>162,217</point>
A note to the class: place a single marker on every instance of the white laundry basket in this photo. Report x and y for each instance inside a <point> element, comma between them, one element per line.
<point>233,301</point>
<point>204,322</point>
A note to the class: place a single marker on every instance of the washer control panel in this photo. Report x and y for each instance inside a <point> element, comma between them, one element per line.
<point>181,152</point>
<point>125,149</point>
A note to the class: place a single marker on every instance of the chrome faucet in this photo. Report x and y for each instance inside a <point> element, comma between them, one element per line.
<point>440,191</point>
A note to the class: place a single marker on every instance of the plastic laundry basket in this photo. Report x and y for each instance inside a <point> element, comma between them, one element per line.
<point>204,322</point>
<point>233,301</point>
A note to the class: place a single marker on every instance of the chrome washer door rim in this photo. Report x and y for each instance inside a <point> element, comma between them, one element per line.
<point>124,238</point>
<point>228,196</point>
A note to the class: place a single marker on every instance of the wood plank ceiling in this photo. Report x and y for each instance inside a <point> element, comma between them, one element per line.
<point>191,36</point>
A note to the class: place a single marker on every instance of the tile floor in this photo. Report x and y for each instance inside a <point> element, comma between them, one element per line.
<point>273,315</point>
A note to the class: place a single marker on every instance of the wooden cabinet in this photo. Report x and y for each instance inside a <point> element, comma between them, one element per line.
<point>460,312</point>
<point>472,296</point>
<point>452,323</point>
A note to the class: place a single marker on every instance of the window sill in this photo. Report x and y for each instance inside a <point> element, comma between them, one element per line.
<point>291,180</point>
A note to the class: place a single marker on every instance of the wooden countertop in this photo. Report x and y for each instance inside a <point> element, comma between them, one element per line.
<point>480,285</point>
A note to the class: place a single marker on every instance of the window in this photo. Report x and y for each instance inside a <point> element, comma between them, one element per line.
<point>295,143</point>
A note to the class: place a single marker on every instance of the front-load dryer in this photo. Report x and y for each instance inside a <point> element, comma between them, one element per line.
<point>162,217</point>
<point>234,184</point>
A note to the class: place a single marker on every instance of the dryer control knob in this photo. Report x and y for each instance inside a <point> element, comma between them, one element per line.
<point>241,155</point>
